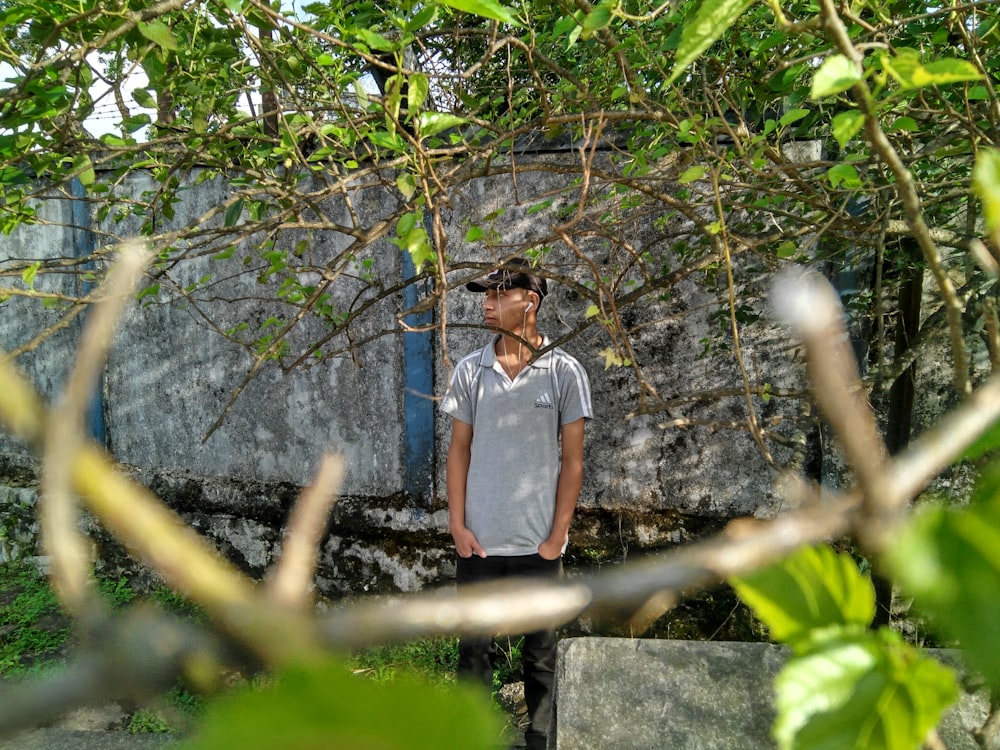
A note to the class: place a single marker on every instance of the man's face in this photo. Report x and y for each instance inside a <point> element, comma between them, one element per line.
<point>505,308</point>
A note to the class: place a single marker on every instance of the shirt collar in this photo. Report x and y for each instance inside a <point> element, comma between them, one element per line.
<point>489,356</point>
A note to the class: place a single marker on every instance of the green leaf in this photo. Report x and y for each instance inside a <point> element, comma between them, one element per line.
<point>412,238</point>
<point>150,291</point>
<point>949,561</point>
<point>424,17</point>
<point>28,274</point>
<point>136,122</point>
<point>83,169</point>
<point>474,233</point>
<point>846,125</point>
<point>612,359</point>
<point>599,18</point>
<point>787,249</point>
<point>539,207</point>
<point>233,213</point>
<point>406,183</point>
<point>384,139</point>
<point>432,123</point>
<point>836,74</point>
<point>901,66</point>
<point>486,9</point>
<point>986,184</point>
<point>158,33</point>
<point>13,176</point>
<point>325,706</point>
<point>375,41</point>
<point>869,691</point>
<point>691,174</point>
<point>418,87</point>
<point>907,69</point>
<point>791,116</point>
<point>843,175</point>
<point>709,22</point>
<point>947,71</point>
<point>907,124</point>
<point>143,98</point>
<point>814,589</point>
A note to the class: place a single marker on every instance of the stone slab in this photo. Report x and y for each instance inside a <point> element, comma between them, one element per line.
<point>638,694</point>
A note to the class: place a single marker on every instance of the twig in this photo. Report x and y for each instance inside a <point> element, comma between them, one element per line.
<point>70,567</point>
<point>721,240</point>
<point>512,607</point>
<point>907,191</point>
<point>290,581</point>
<point>806,301</point>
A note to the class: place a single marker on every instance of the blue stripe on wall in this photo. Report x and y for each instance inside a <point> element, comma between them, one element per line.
<point>84,243</point>
<point>418,357</point>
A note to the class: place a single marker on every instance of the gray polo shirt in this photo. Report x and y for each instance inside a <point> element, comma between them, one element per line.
<point>510,494</point>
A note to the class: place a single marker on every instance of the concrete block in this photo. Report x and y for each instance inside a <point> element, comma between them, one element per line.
<point>637,694</point>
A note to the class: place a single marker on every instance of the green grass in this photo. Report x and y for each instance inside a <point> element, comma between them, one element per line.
<point>146,721</point>
<point>507,664</point>
<point>34,628</point>
<point>434,660</point>
<point>431,659</point>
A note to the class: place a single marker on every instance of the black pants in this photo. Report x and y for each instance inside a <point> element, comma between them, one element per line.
<point>538,656</point>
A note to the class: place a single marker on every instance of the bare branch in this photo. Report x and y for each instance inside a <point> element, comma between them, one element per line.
<point>807,302</point>
<point>64,436</point>
<point>290,581</point>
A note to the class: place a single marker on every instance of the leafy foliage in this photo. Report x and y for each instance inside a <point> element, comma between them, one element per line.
<point>699,103</point>
<point>844,686</point>
<point>949,560</point>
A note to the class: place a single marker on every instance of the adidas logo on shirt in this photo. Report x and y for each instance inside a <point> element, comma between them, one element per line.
<point>544,402</point>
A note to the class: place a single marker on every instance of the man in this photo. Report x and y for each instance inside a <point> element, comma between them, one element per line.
<point>515,467</point>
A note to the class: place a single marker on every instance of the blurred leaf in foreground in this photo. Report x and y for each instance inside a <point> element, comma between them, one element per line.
<point>948,559</point>
<point>869,691</point>
<point>845,686</point>
<point>324,705</point>
<point>807,593</point>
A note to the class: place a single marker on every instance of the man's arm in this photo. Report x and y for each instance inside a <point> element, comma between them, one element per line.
<point>568,490</point>
<point>456,475</point>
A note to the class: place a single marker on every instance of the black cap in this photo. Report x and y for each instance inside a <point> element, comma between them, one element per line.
<point>508,277</point>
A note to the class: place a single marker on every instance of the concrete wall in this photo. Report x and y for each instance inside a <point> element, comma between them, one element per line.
<point>171,375</point>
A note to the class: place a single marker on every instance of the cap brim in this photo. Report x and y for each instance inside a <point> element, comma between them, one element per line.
<point>479,286</point>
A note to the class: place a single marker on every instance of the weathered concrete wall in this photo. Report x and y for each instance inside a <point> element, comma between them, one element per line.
<point>171,375</point>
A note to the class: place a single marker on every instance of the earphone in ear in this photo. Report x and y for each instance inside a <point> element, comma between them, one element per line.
<point>529,307</point>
